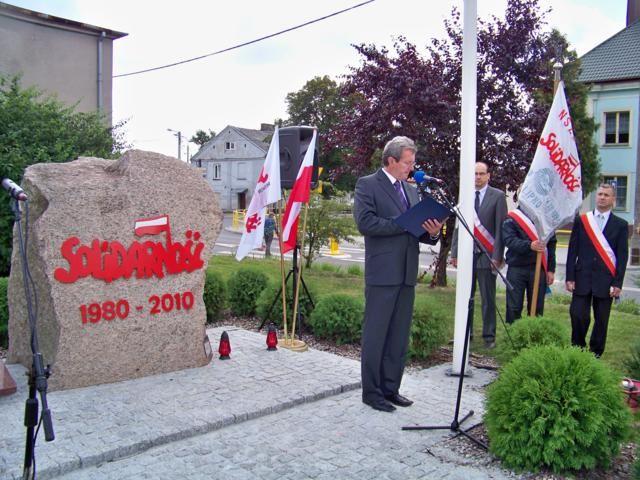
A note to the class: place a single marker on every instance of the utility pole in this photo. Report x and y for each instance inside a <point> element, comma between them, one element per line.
<point>178,134</point>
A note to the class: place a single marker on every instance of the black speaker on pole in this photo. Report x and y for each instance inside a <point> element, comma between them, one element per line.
<point>294,143</point>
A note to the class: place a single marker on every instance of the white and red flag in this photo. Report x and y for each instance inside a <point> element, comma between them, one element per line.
<point>299,195</point>
<point>267,191</point>
<point>552,190</point>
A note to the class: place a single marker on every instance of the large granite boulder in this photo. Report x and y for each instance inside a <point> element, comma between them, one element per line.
<point>117,252</point>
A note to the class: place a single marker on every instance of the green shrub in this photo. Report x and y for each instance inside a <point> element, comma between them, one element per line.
<point>636,469</point>
<point>430,327</point>
<point>245,285</point>
<point>533,332</point>
<point>338,316</point>
<point>628,305</point>
<point>215,295</point>
<point>268,295</point>
<point>632,362</point>
<point>355,270</point>
<point>4,313</point>
<point>556,408</point>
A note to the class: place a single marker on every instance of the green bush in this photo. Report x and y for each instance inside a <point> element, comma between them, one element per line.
<point>4,313</point>
<point>430,327</point>
<point>269,294</point>
<point>628,305</point>
<point>245,285</point>
<point>556,408</point>
<point>533,332</point>
<point>632,362</point>
<point>338,316</point>
<point>636,469</point>
<point>215,295</point>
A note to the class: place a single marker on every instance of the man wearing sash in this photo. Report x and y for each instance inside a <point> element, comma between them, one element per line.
<point>490,211</point>
<point>596,264</point>
<point>521,240</point>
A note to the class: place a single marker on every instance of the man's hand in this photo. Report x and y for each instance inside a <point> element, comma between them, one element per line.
<point>537,246</point>
<point>570,286</point>
<point>454,262</point>
<point>614,292</point>
<point>432,226</point>
<point>496,264</point>
<point>550,278</point>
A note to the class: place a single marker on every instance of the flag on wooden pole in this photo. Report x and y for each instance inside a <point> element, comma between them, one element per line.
<point>552,191</point>
<point>299,195</point>
<point>267,191</point>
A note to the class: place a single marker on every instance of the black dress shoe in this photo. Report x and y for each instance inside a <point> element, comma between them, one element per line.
<point>381,405</point>
<point>399,400</point>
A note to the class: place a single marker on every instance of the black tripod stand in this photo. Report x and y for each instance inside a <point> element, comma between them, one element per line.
<point>293,271</point>
<point>456,423</point>
<point>38,374</point>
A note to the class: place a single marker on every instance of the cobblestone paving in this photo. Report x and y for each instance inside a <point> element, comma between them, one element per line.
<point>262,415</point>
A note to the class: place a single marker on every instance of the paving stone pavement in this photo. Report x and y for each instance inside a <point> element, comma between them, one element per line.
<point>262,415</point>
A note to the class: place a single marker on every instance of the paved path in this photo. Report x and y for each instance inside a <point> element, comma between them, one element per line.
<point>262,415</point>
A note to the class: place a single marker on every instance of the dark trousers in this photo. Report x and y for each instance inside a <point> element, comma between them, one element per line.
<point>267,244</point>
<point>521,278</point>
<point>487,284</point>
<point>581,318</point>
<point>385,339</point>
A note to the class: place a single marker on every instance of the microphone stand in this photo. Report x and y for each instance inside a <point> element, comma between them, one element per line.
<point>38,374</point>
<point>456,423</point>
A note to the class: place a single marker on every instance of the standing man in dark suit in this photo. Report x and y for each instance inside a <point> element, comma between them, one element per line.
<point>391,269</point>
<point>491,210</point>
<point>596,264</point>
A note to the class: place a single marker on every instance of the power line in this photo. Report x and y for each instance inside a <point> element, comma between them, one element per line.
<point>246,43</point>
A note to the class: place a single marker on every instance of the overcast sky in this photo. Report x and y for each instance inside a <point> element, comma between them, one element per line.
<point>248,86</point>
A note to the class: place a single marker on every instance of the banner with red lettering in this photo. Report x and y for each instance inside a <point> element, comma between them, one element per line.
<point>267,191</point>
<point>552,191</point>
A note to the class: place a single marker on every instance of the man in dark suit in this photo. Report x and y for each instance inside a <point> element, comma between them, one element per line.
<point>596,264</point>
<point>391,269</point>
<point>491,210</point>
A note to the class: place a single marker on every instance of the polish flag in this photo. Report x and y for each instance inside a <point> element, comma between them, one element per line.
<point>151,226</point>
<point>299,195</point>
<point>267,191</point>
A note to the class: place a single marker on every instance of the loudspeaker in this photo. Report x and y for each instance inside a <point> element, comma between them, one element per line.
<point>294,143</point>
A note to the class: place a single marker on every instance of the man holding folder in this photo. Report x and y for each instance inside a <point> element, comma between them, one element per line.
<point>391,269</point>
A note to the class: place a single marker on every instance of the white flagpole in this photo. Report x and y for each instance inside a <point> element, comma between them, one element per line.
<point>467,175</point>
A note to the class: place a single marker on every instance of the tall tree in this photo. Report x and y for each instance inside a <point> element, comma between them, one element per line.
<point>38,130</point>
<point>320,103</point>
<point>201,137</point>
<point>420,97</point>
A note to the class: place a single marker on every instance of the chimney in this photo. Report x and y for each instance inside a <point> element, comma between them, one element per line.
<point>633,11</point>
<point>269,127</point>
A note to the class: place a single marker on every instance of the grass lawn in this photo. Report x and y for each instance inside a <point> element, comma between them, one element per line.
<point>624,328</point>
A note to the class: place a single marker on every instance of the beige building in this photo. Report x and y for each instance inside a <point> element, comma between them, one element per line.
<point>69,59</point>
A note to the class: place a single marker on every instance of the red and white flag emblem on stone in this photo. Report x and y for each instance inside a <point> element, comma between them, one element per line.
<point>552,192</point>
<point>151,226</point>
<point>299,195</point>
<point>267,191</point>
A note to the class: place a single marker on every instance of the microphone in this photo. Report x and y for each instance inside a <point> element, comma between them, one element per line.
<point>14,190</point>
<point>420,177</point>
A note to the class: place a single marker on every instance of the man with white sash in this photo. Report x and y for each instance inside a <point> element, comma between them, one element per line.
<point>491,209</point>
<point>521,240</point>
<point>596,264</point>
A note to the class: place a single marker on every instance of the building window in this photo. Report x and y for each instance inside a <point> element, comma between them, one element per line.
<point>199,163</point>
<point>620,185</point>
<point>242,170</point>
<point>230,146</point>
<point>616,128</point>
<point>217,171</point>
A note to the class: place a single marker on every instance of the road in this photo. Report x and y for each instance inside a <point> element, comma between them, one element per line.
<point>353,253</point>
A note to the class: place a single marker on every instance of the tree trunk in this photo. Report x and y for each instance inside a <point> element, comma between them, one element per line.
<point>440,271</point>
